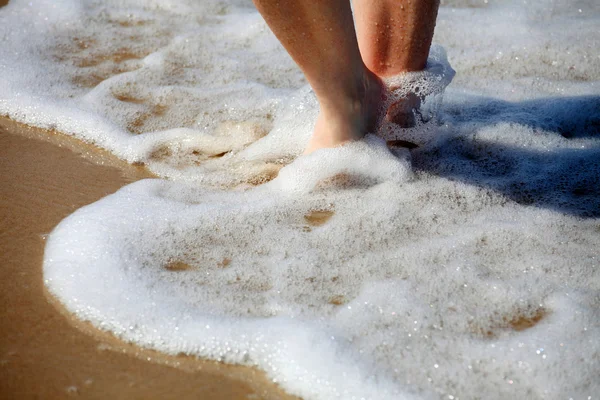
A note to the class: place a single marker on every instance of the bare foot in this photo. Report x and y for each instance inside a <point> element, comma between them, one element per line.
<point>350,119</point>
<point>402,112</point>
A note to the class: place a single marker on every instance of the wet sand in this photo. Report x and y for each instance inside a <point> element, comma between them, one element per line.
<point>45,353</point>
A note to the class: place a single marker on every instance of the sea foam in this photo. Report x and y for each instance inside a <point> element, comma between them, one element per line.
<point>466,267</point>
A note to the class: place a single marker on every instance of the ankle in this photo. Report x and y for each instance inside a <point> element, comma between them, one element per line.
<point>353,97</point>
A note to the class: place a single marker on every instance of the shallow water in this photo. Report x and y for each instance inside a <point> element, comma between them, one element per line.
<point>464,266</point>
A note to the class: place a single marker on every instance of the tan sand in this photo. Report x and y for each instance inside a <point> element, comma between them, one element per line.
<point>46,354</point>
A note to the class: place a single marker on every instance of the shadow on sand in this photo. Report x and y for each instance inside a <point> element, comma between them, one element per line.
<point>564,179</point>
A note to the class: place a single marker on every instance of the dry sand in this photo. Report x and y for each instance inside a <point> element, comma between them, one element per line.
<point>45,353</point>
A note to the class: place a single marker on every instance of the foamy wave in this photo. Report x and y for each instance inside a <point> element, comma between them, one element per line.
<point>340,285</point>
<point>466,265</point>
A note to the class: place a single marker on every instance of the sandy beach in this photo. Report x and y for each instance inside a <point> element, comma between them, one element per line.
<point>463,267</point>
<point>44,353</point>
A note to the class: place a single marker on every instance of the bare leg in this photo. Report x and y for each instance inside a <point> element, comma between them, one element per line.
<point>320,37</point>
<point>395,35</point>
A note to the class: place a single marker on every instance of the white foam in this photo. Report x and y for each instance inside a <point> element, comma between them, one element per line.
<point>411,286</point>
<point>464,268</point>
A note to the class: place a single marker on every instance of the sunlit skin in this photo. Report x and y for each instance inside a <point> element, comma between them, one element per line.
<point>345,65</point>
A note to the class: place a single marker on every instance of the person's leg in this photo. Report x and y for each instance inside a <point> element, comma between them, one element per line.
<point>394,36</point>
<point>320,37</point>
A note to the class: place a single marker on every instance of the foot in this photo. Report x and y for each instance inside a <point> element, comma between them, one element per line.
<point>351,118</point>
<point>402,112</point>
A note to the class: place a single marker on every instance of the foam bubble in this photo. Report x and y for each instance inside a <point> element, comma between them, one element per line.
<point>375,288</point>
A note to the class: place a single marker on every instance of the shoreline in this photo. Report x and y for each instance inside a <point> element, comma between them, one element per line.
<point>45,352</point>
